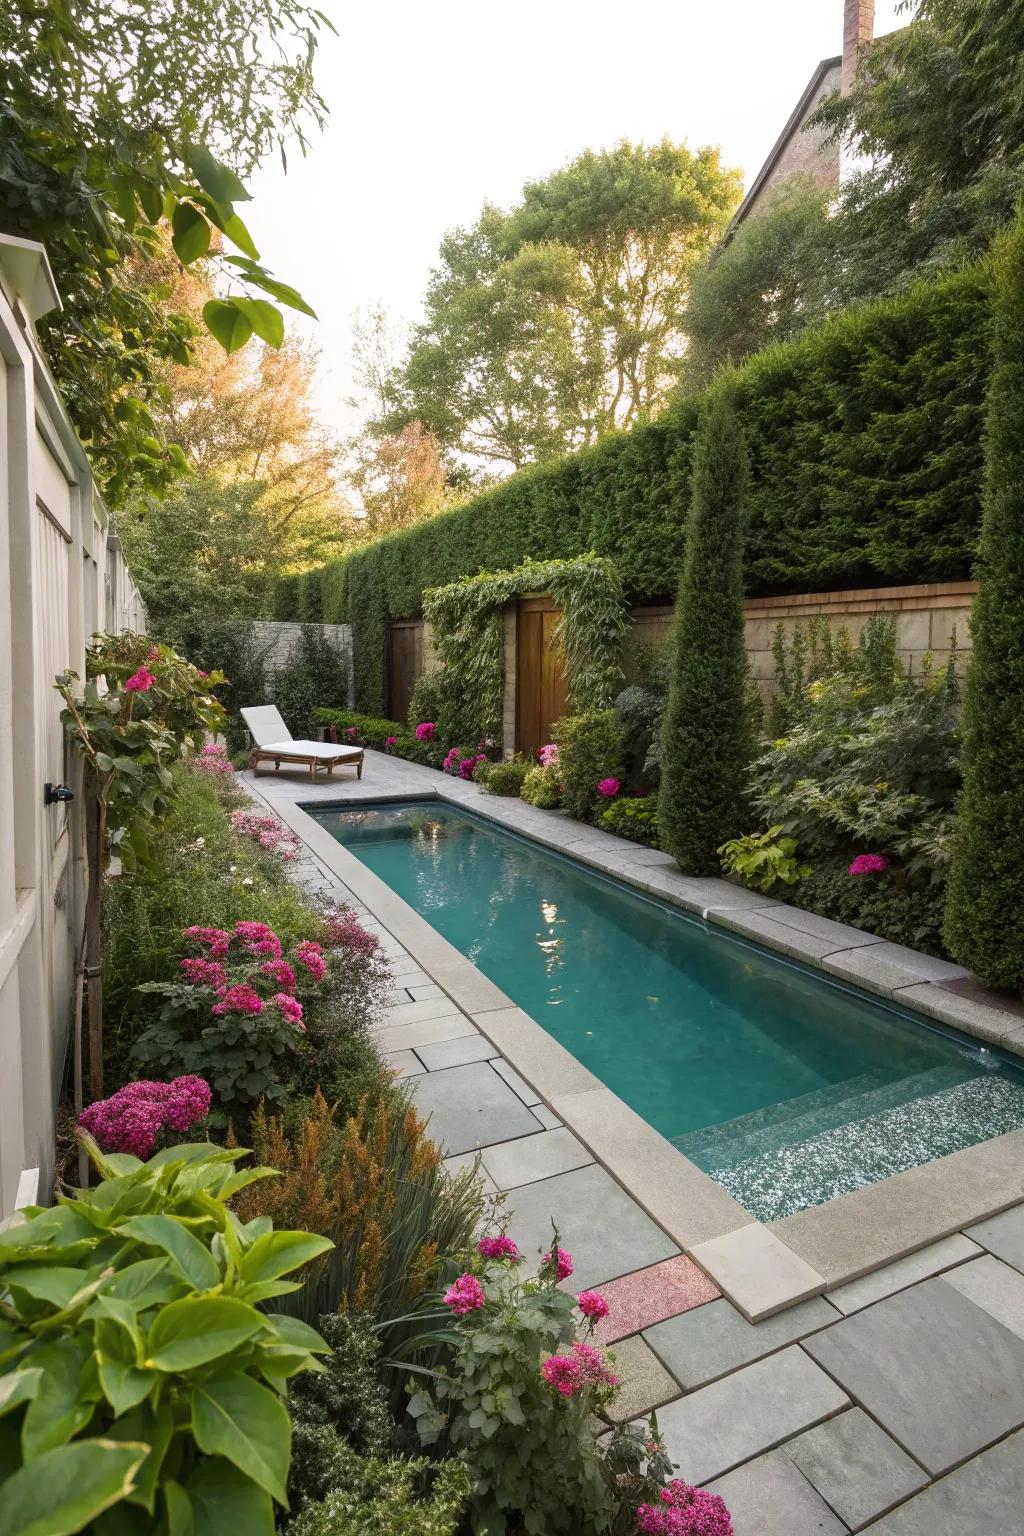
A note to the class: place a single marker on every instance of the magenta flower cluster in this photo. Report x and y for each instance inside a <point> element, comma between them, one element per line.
<point>134,1118</point>
<point>240,969</point>
<point>499,1248</point>
<point>593,1305</point>
<point>140,681</point>
<point>269,831</point>
<point>562,1262</point>
<point>548,755</point>
<point>425,731</point>
<point>685,1511</point>
<point>390,742</point>
<point>584,1367</point>
<point>465,767</point>
<point>213,760</point>
<point>466,1295</point>
<point>609,788</point>
<point>868,864</point>
<point>344,931</point>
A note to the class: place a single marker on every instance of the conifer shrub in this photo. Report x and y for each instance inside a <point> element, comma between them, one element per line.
<point>706,739</point>
<point>591,749</point>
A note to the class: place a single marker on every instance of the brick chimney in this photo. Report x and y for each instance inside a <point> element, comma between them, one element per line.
<point>858,31</point>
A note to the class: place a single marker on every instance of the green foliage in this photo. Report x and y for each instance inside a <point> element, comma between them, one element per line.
<point>985,916</point>
<point>590,748</point>
<point>377,1496</point>
<point>763,859</point>
<point>706,742</point>
<point>904,912</point>
<point>142,1374</point>
<point>551,324</point>
<point>864,439</point>
<point>316,675</point>
<point>542,786</point>
<point>218,644</point>
<point>109,110</point>
<point>633,816</point>
<point>468,621</point>
<point>425,699</point>
<point>369,730</point>
<point>640,712</point>
<point>503,778</point>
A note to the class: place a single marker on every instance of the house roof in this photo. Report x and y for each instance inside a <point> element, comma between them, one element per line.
<point>796,118</point>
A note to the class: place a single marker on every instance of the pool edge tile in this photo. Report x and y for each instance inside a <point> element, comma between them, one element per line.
<point>759,1273</point>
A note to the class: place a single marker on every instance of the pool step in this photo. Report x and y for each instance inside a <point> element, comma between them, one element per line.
<point>857,1098</point>
<point>778,1182</point>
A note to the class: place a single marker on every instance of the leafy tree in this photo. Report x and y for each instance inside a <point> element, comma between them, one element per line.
<point>985,909</point>
<point>706,737</point>
<point>770,280</point>
<point>122,117</point>
<point>552,323</point>
<point>399,477</point>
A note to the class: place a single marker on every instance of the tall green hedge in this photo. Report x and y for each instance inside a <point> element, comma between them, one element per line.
<point>865,466</point>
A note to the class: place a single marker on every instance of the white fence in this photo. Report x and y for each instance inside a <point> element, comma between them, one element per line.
<point>62,577</point>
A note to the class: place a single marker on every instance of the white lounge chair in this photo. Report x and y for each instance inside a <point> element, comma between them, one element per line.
<point>273,741</point>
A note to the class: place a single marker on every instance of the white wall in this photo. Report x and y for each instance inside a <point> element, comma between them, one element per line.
<point>61,578</point>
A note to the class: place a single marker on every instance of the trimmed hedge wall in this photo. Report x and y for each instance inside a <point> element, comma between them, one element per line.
<point>864,440</point>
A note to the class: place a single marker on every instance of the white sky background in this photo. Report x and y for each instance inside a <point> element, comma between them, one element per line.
<point>439,105</point>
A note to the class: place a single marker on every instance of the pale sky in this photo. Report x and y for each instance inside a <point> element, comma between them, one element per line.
<point>438,107</point>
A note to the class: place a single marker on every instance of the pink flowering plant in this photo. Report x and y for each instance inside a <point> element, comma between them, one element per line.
<point>518,1398</point>
<point>268,831</point>
<point>235,1014</point>
<point>214,761</point>
<point>142,1116</point>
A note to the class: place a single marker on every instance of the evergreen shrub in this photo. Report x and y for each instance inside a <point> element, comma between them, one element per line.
<point>591,748</point>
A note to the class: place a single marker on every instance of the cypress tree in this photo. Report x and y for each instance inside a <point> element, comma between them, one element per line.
<point>985,898</point>
<point>706,740</point>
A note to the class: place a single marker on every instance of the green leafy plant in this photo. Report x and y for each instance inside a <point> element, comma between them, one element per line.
<point>763,859</point>
<point>503,778</point>
<point>370,730</point>
<point>401,1495</point>
<point>635,817</point>
<point>141,1380</point>
<point>640,712</point>
<point>315,675</point>
<point>542,786</point>
<point>590,749</point>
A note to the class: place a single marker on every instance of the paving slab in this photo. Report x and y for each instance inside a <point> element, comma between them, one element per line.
<point>860,967</point>
<point>920,967</point>
<point>764,928</point>
<point>415,1013</point>
<point>470,1107</point>
<point>940,1375</point>
<point>995,1287</point>
<point>769,1497</point>
<point>969,1013</point>
<point>454,1026</point>
<point>838,936</point>
<point>457,1052</point>
<point>605,1231</point>
<point>529,1158</point>
<point>528,1095</point>
<point>547,1117</point>
<point>424,992</point>
<point>757,1271</point>
<point>463,1160</point>
<point>645,1383</point>
<point>700,1346</point>
<point>985,1497</point>
<point>648,1296</point>
<point>535,1053</point>
<point>857,1469</point>
<point>908,1271</point>
<point>717,1427</point>
<point>404,1063</point>
<point>471,989</point>
<point>1003,1235</point>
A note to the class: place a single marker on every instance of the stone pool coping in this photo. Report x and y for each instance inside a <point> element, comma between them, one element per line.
<point>762,1268</point>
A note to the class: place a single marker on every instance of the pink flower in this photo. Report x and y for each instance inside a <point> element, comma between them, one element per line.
<point>391,741</point>
<point>466,1295</point>
<point>203,675</point>
<point>239,999</point>
<point>561,1373</point>
<point>309,954</point>
<point>547,755</point>
<point>345,932</point>
<point>351,733</point>
<point>140,681</point>
<point>685,1511</point>
<point>467,765</point>
<point>592,1304</point>
<point>258,939</point>
<point>213,939</point>
<point>562,1261</point>
<point>584,1367</point>
<point>868,864</point>
<point>204,973</point>
<point>188,1101</point>
<point>133,1118</point>
<point>281,973</point>
<point>499,1248</point>
<point>609,788</point>
<point>290,1009</point>
<point>213,759</point>
<point>153,654</point>
<point>426,730</point>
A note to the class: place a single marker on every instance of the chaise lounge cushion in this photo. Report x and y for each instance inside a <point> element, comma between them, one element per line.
<point>325,749</point>
<point>270,734</point>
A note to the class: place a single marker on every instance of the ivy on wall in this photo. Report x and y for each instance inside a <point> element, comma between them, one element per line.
<point>468,621</point>
<point>865,447</point>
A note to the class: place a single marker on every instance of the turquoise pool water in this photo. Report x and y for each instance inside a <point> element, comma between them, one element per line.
<point>786,1088</point>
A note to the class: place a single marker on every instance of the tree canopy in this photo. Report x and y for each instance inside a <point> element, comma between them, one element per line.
<point>553,322</point>
<point>118,117</point>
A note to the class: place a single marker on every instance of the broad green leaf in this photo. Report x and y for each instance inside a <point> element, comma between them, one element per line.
<point>266,319</point>
<point>233,1416</point>
<point>178,1505</point>
<point>278,1253</point>
<point>46,1282</point>
<point>60,1491</point>
<point>148,1283</point>
<point>191,233</point>
<point>244,1177</point>
<point>299,1335</point>
<point>224,1501</point>
<point>227,324</point>
<point>238,234</point>
<point>193,1331</point>
<point>195,1152</point>
<point>277,290</point>
<point>125,1386</point>
<point>191,1256</point>
<point>265,1290</point>
<point>155,1429</point>
<point>18,1386</point>
<point>61,1405</point>
<point>215,177</point>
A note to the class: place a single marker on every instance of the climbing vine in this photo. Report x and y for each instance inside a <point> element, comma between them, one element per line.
<point>468,621</point>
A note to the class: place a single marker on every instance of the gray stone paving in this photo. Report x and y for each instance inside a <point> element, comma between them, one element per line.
<point>759,1411</point>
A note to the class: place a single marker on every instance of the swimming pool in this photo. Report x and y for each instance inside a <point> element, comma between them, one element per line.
<point>787,1088</point>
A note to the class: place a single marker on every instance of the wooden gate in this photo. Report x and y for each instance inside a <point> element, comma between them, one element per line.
<point>541,690</point>
<point>405,664</point>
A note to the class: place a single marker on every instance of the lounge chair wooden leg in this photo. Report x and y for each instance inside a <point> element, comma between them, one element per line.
<point>359,769</point>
